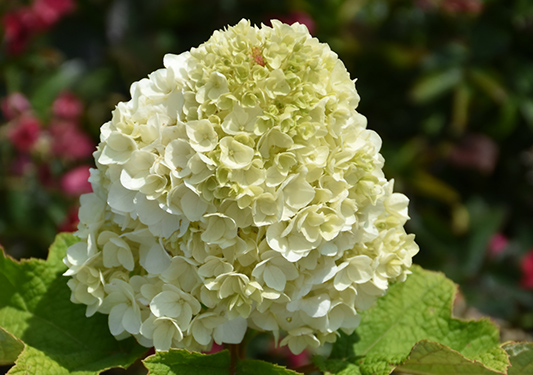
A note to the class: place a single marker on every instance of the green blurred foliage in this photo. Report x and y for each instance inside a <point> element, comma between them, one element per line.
<point>448,85</point>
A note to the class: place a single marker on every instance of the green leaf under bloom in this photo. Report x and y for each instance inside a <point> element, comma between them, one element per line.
<point>256,367</point>
<point>337,366</point>
<point>10,348</point>
<point>415,310</point>
<point>58,339</point>
<point>432,358</point>
<point>183,362</point>
<point>521,357</point>
<point>177,362</point>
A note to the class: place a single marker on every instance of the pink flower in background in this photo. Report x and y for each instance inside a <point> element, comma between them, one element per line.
<point>298,360</point>
<point>48,12</point>
<point>21,165</point>
<point>76,181</point>
<point>44,174</point>
<point>14,105</point>
<point>70,223</point>
<point>497,244</point>
<point>300,17</point>
<point>215,348</point>
<point>69,142</point>
<point>18,27</point>
<point>462,6</point>
<point>67,106</point>
<point>23,23</point>
<point>24,132</point>
<point>527,271</point>
<point>294,361</point>
<point>475,151</point>
<point>425,5</point>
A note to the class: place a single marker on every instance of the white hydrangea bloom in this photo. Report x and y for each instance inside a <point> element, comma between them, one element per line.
<point>238,188</point>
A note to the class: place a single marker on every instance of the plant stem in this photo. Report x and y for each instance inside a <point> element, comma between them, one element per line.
<point>235,355</point>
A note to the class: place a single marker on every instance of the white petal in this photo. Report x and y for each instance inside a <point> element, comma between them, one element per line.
<point>166,304</point>
<point>193,206</point>
<point>120,199</point>
<point>298,192</point>
<point>274,278</point>
<point>132,320</point>
<point>163,335</point>
<point>231,331</point>
<point>115,319</point>
<point>154,258</point>
<point>316,306</point>
<point>177,64</point>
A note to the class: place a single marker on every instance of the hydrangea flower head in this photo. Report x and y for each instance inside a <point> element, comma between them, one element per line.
<point>238,188</point>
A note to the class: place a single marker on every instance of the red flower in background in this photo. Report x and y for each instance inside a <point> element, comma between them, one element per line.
<point>45,176</point>
<point>70,223</point>
<point>298,360</point>
<point>67,106</point>
<point>462,6</point>
<point>527,271</point>
<point>21,165</point>
<point>15,105</point>
<point>69,142</point>
<point>24,132</point>
<point>19,26</point>
<point>23,23</point>
<point>300,17</point>
<point>475,151</point>
<point>497,244</point>
<point>76,181</point>
<point>48,12</point>
<point>215,348</point>
<point>472,7</point>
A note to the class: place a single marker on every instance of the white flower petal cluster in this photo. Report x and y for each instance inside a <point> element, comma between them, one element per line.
<point>239,188</point>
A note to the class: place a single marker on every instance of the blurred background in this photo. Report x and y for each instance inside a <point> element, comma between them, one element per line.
<point>448,84</point>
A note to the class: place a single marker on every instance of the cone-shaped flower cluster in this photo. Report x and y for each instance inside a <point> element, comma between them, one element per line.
<point>239,188</point>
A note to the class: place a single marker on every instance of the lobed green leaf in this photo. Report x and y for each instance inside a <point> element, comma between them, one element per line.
<point>415,310</point>
<point>521,357</point>
<point>183,362</point>
<point>10,348</point>
<point>58,338</point>
<point>256,367</point>
<point>432,358</point>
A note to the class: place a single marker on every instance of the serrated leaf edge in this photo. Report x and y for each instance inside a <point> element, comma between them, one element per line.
<point>473,361</point>
<point>60,237</point>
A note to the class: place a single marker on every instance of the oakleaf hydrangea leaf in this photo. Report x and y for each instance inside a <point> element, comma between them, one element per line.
<point>183,362</point>
<point>255,367</point>
<point>337,366</point>
<point>35,308</point>
<point>418,309</point>
<point>432,358</point>
<point>521,357</point>
<point>10,348</point>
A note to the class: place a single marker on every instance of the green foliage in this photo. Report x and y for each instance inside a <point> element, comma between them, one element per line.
<point>428,78</point>
<point>177,362</point>
<point>418,309</point>
<point>431,358</point>
<point>35,308</point>
<point>182,362</point>
<point>410,329</point>
<point>10,348</point>
<point>256,367</point>
<point>521,357</point>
